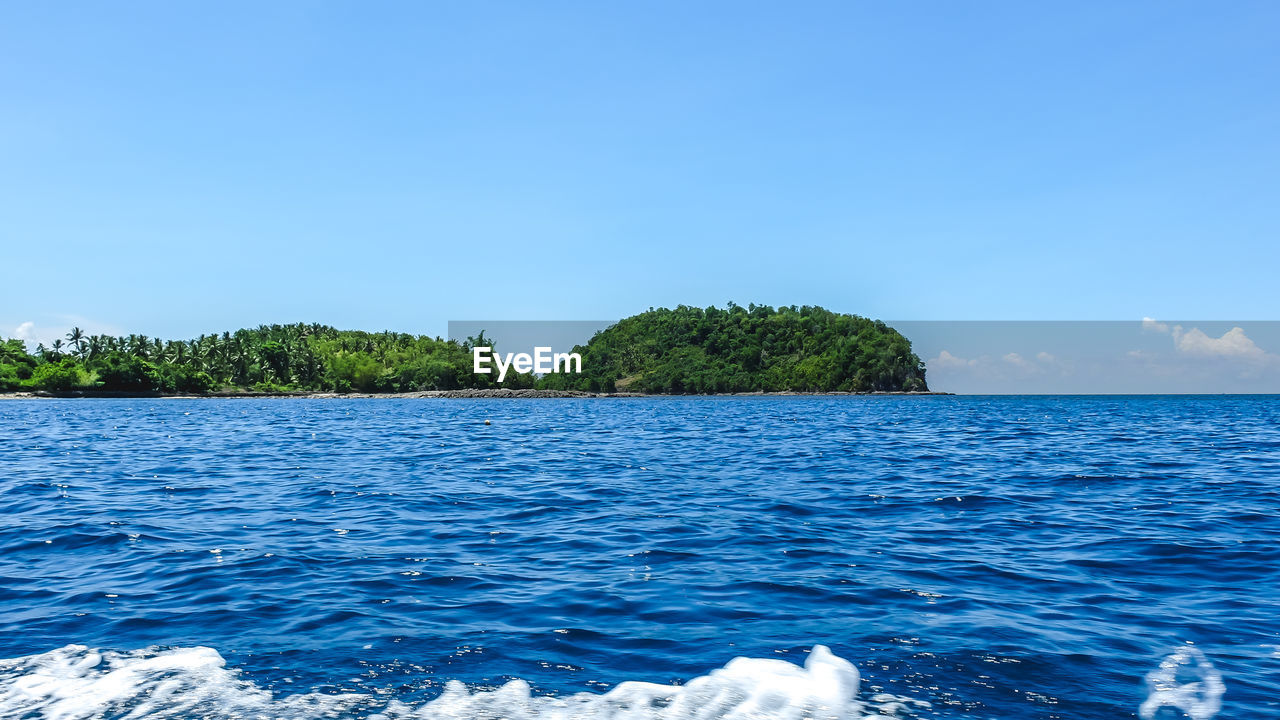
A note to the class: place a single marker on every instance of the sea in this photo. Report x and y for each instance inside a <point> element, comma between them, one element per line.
<point>703,557</point>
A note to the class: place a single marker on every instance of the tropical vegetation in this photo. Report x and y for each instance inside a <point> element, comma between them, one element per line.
<point>745,349</point>
<point>270,358</point>
<point>678,351</point>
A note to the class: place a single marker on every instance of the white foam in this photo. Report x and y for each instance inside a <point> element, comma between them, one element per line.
<point>1187,681</point>
<point>78,683</point>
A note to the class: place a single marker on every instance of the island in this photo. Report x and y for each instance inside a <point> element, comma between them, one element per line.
<point>680,351</point>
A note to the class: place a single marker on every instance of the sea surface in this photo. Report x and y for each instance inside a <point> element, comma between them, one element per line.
<point>928,557</point>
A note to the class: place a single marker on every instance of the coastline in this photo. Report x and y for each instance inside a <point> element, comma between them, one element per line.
<point>470,394</point>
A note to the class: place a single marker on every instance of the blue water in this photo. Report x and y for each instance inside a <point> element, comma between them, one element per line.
<point>1020,557</point>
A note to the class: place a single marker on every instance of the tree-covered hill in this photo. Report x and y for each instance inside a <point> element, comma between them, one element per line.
<point>745,349</point>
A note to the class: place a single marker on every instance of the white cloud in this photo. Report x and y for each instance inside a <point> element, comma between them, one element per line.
<point>947,360</point>
<point>1009,367</point>
<point>55,327</point>
<point>1014,358</point>
<point>33,334</point>
<point>987,363</point>
<point>1197,344</point>
<point>1233,344</point>
<point>1152,325</point>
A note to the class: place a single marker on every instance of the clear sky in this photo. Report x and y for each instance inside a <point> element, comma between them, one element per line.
<point>180,168</point>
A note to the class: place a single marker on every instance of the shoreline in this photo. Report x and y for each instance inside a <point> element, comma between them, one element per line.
<point>470,394</point>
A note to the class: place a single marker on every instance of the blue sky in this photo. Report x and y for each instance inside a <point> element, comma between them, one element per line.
<point>175,169</point>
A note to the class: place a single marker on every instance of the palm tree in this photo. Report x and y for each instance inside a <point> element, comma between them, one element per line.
<point>76,336</point>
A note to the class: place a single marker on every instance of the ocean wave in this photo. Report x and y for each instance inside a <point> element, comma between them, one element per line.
<point>79,683</point>
<point>341,548</point>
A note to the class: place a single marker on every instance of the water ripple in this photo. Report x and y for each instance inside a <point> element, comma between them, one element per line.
<point>994,557</point>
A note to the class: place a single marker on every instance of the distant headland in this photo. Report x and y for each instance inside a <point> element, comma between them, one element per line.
<point>735,350</point>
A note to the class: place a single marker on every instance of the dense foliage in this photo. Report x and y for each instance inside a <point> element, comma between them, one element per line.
<point>685,350</point>
<point>267,358</point>
<point>737,349</point>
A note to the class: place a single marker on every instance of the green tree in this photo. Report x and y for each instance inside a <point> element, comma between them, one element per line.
<point>62,375</point>
<point>122,372</point>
